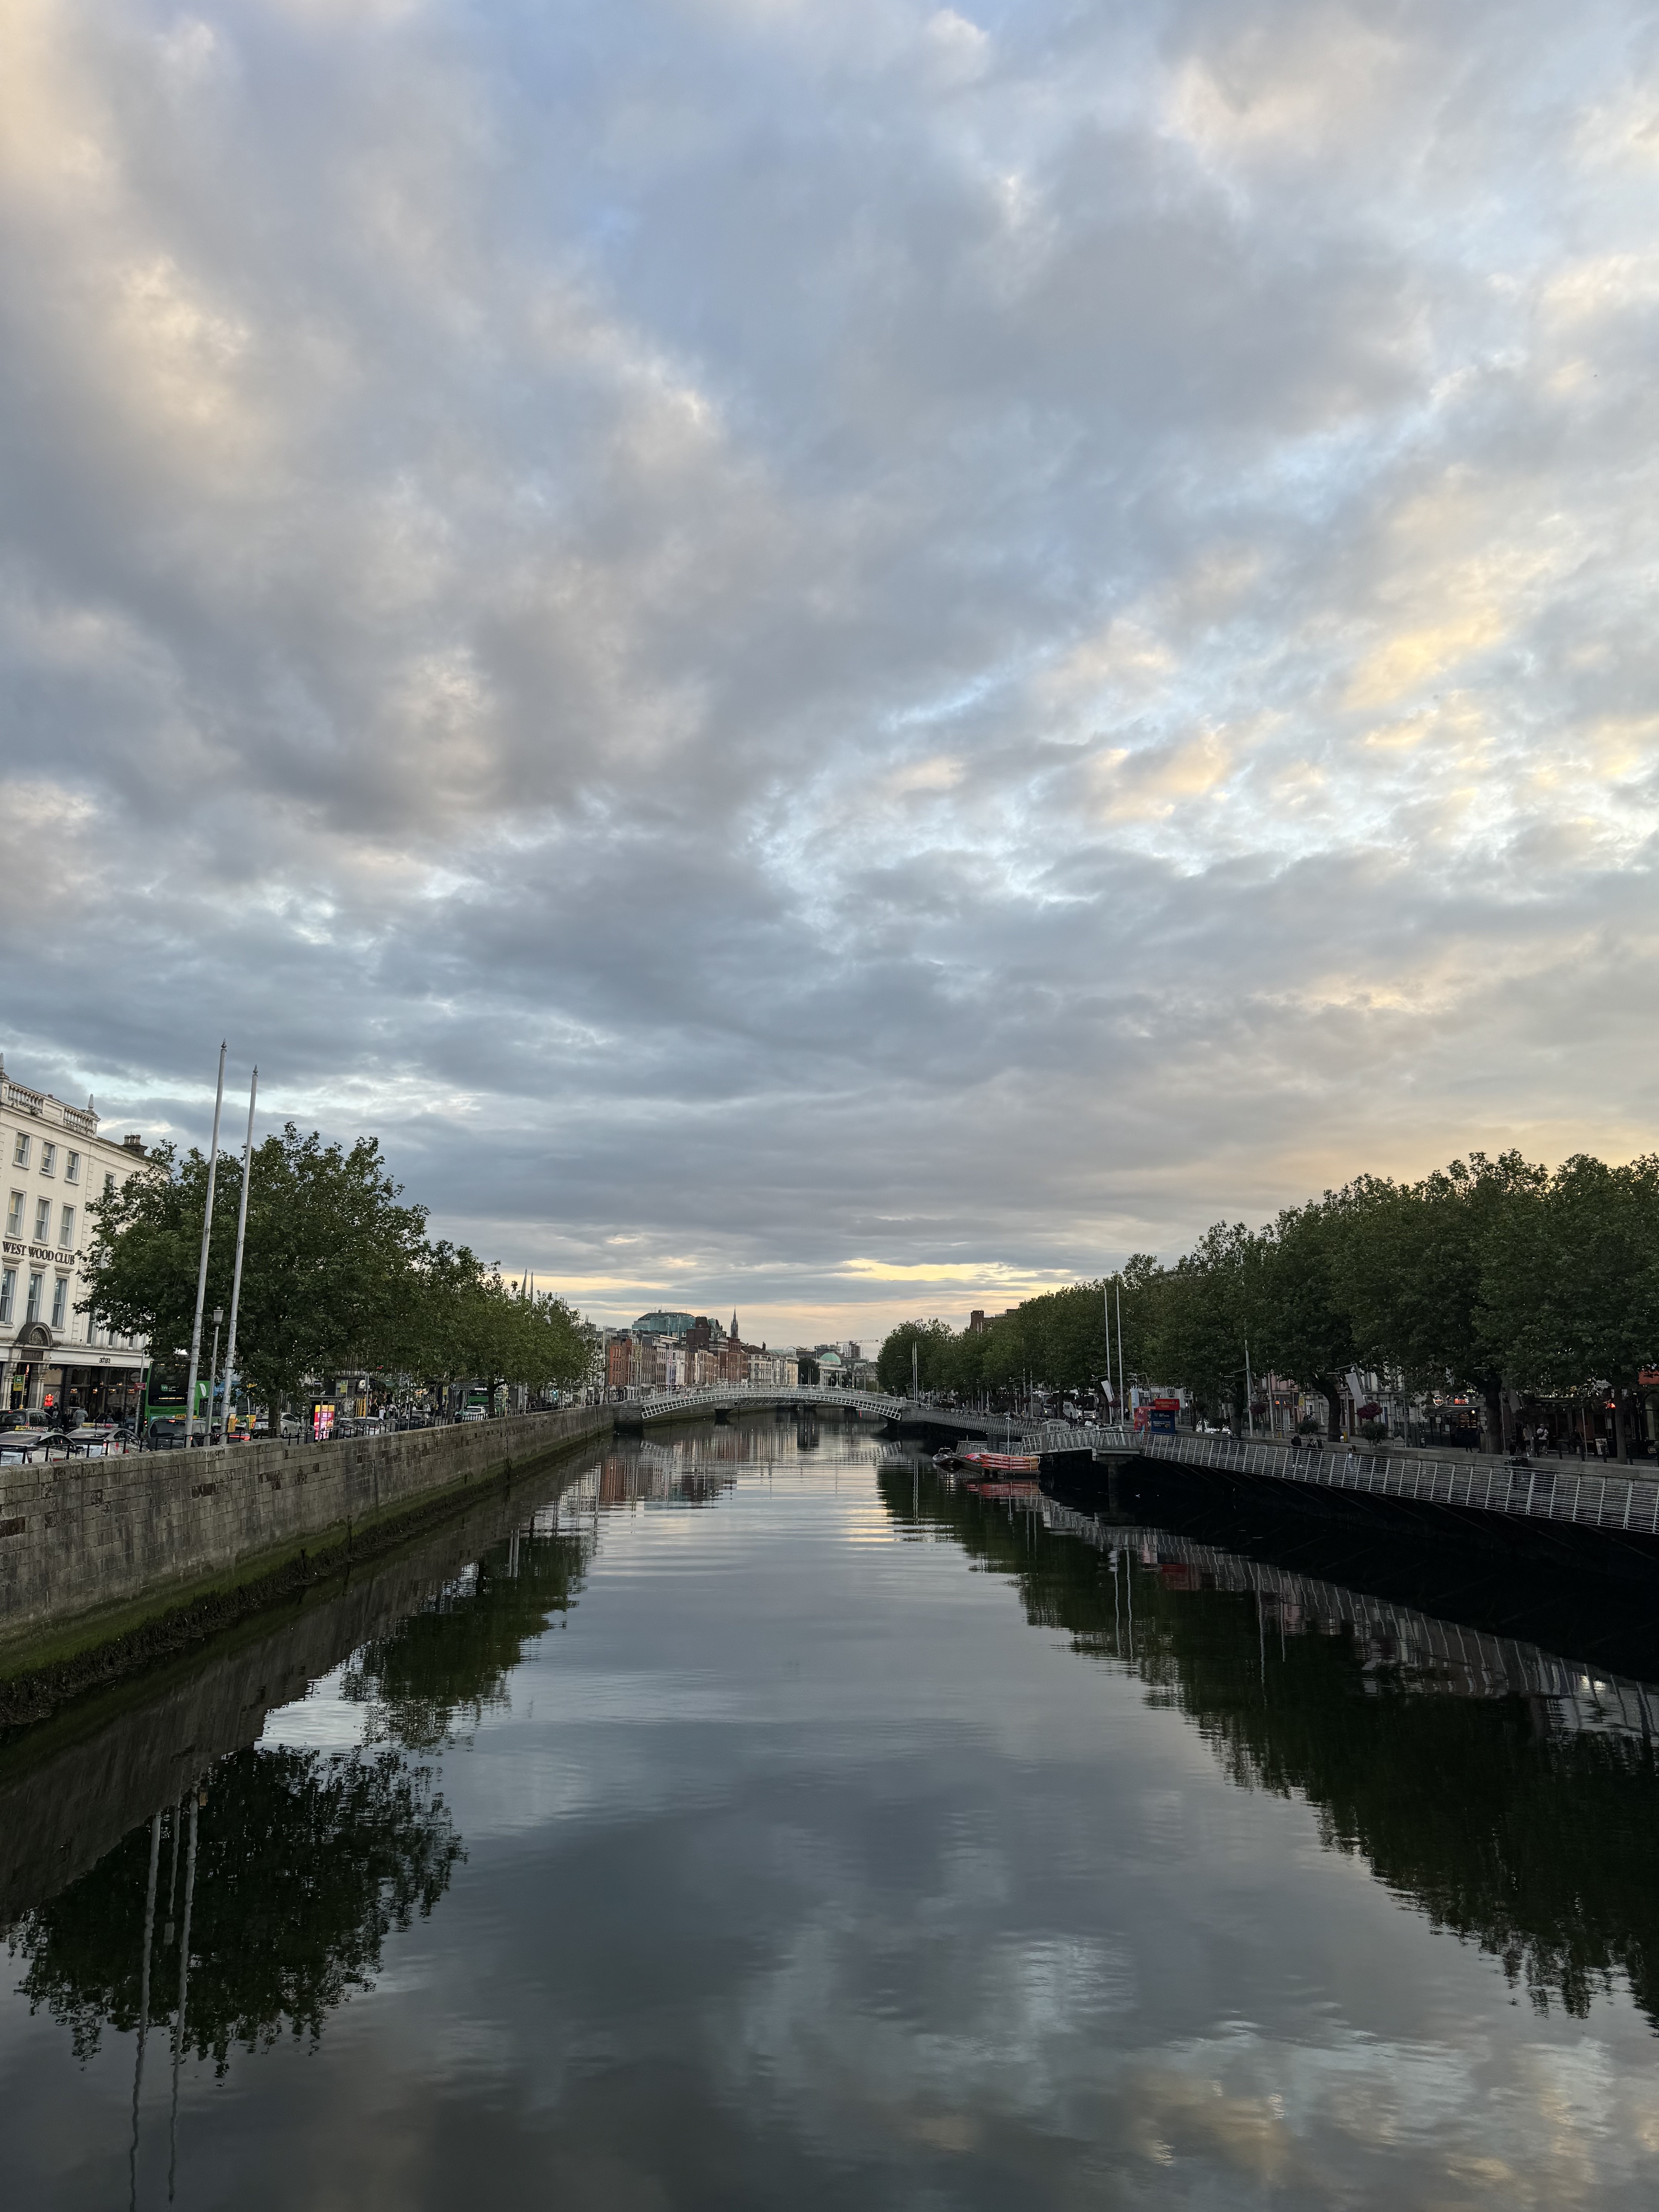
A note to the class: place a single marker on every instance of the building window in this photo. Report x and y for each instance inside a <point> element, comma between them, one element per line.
<point>42,1219</point>
<point>72,1167</point>
<point>59,1301</point>
<point>109,1186</point>
<point>8,1292</point>
<point>66,1230</point>
<point>32,1311</point>
<point>48,1159</point>
<point>19,1153</point>
<point>14,1215</point>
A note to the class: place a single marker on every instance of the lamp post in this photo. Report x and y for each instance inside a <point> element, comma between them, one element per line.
<point>1121,1384</point>
<point>213,1369</point>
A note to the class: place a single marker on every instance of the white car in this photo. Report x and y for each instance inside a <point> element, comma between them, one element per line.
<point>473,1413</point>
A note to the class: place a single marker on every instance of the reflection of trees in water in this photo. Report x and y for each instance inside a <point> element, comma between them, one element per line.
<point>306,1861</point>
<point>1537,1846</point>
<point>445,1666</point>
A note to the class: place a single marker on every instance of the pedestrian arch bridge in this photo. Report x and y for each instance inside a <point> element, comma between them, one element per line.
<point>1013,1431</point>
<point>716,1397</point>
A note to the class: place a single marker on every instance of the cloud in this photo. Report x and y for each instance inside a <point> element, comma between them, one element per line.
<point>972,638</point>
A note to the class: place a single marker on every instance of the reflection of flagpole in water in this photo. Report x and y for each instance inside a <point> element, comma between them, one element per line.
<point>173,1871</point>
<point>1130,1588</point>
<point>143,1997</point>
<point>184,1996</point>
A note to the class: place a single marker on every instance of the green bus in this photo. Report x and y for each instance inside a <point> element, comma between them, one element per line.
<point>164,1401</point>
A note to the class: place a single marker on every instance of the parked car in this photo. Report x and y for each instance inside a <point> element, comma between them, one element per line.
<point>167,1435</point>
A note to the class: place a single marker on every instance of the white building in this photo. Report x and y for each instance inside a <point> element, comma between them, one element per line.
<point>774,1370</point>
<point>54,1165</point>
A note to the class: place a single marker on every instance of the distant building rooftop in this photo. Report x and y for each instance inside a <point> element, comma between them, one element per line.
<point>664,1324</point>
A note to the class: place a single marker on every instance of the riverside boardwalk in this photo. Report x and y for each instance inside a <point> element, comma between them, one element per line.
<point>1587,1497</point>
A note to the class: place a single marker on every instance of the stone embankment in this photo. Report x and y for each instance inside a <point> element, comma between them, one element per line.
<point>71,1789</point>
<point>105,1562</point>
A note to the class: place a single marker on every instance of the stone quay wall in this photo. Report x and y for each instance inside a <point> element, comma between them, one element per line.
<point>89,1547</point>
<point>72,1787</point>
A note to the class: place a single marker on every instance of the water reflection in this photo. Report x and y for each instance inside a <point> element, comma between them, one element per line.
<point>277,1882</point>
<point>704,1834</point>
<point>1509,1794</point>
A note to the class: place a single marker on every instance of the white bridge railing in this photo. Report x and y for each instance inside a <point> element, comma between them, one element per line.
<point>1012,1432</point>
<point>656,1403</point>
<point>1532,1491</point>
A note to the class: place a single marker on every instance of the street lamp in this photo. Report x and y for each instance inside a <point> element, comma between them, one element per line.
<point>213,1368</point>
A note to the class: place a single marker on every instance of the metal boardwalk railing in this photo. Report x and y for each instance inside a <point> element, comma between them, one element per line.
<point>1520,1489</point>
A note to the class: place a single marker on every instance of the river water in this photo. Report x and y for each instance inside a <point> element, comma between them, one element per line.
<point>763,1821</point>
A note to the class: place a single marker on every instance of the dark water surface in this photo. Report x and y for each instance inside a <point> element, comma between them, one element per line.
<point>767,1822</point>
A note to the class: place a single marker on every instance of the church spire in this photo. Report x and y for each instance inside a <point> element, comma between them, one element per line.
<point>735,1338</point>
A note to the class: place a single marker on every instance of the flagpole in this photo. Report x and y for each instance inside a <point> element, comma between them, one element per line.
<point>236,1278</point>
<point>201,1266</point>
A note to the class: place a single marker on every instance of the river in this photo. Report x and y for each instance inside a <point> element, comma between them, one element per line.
<point>761,1820</point>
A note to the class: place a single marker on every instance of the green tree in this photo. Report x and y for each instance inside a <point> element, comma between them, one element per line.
<point>931,1340</point>
<point>1206,1307</point>
<point>1570,1280</point>
<point>1410,1268</point>
<point>1305,1331</point>
<point>503,1336</point>
<point>330,1275</point>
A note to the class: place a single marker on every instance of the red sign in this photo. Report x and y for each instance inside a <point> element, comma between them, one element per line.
<point>1648,1379</point>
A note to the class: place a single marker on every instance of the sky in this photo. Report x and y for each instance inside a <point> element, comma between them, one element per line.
<point>840,659</point>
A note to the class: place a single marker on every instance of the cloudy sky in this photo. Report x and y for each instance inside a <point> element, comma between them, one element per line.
<point>838,658</point>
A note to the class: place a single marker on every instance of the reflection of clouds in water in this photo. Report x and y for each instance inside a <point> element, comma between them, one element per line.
<point>595,1698</point>
<point>1012,2027</point>
<point>1040,2031</point>
<point>1546,2125</point>
<point>321,1721</point>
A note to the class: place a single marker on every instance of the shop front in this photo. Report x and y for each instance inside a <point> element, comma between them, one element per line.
<point>104,1386</point>
<point>103,1389</point>
<point>25,1370</point>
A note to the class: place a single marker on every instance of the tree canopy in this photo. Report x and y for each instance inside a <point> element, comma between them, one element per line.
<point>337,1274</point>
<point>1490,1274</point>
